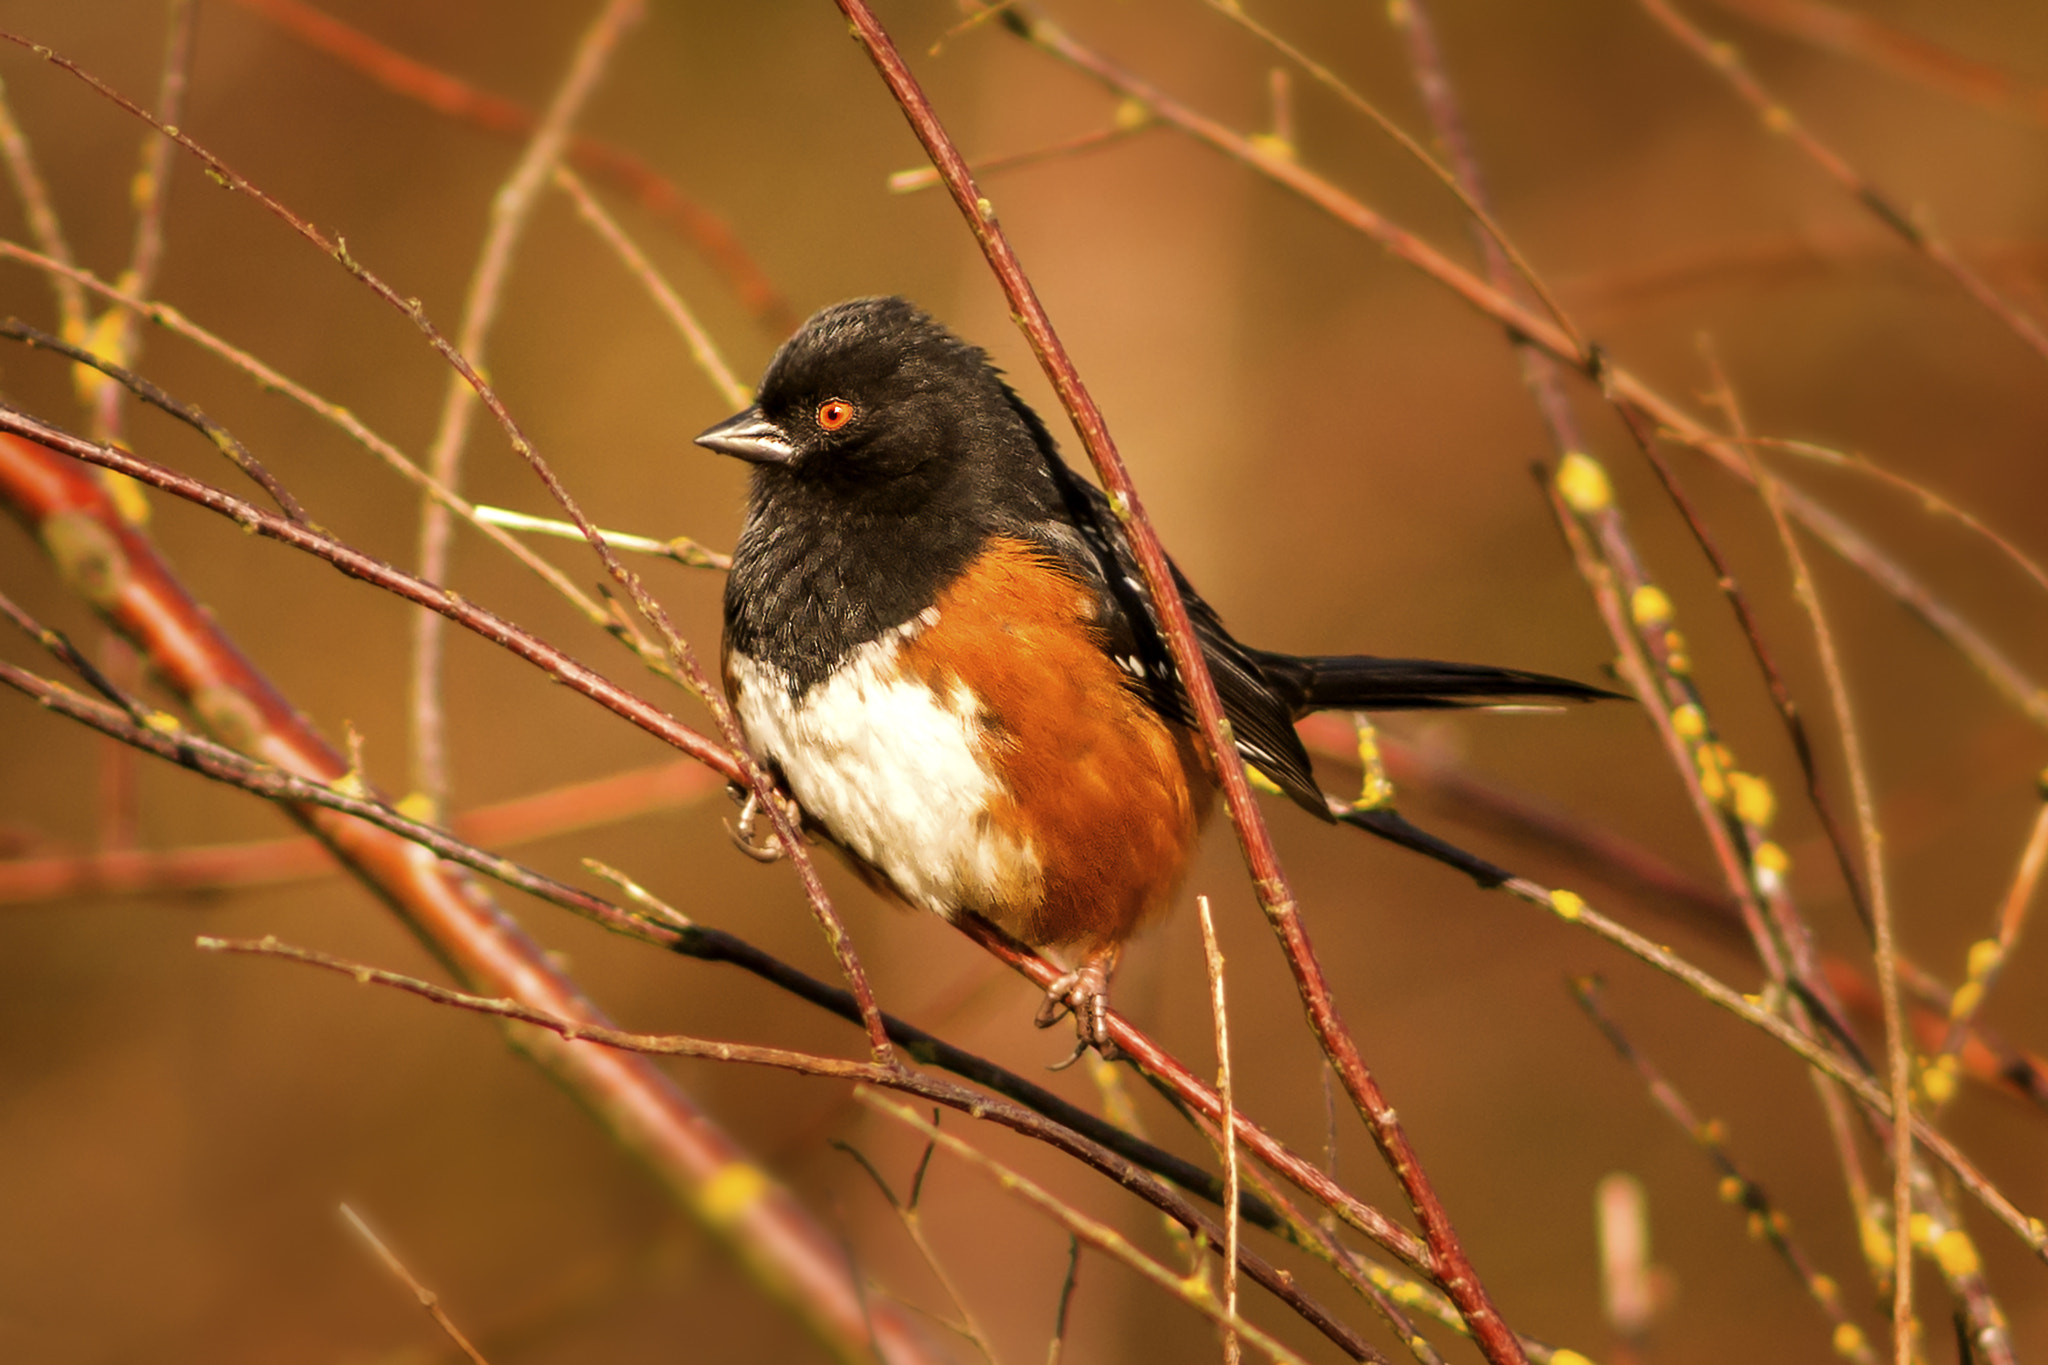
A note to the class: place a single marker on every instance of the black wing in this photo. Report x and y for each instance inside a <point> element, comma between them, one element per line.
<point>1262,721</point>
<point>1263,693</point>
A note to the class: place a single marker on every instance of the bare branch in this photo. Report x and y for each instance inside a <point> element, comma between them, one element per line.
<point>1448,1262</point>
<point>428,1299</point>
<point>511,208</point>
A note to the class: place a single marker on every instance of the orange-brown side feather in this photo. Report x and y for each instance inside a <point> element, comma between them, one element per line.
<point>1107,795</point>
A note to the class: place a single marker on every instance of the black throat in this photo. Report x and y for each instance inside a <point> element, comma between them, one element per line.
<point>823,567</point>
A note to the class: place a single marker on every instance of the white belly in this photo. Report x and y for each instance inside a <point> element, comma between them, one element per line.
<point>894,772</point>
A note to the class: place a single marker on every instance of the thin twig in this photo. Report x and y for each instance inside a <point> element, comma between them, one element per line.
<point>151,189</point>
<point>1067,1284</point>
<point>684,659</point>
<point>1765,1219</point>
<point>1752,632</point>
<point>149,193</point>
<point>223,439</point>
<point>886,1076</point>
<point>1659,885</point>
<point>455,99</point>
<point>68,654</point>
<point>909,1213</point>
<point>120,784</point>
<point>1930,501</point>
<point>655,1044</point>
<point>116,336</point>
<point>1385,1290</point>
<point>570,808</point>
<point>43,224</point>
<point>703,349</point>
<point>1862,37</point>
<point>1126,125</point>
<point>1450,1266</point>
<point>1988,956</point>
<point>1723,58</point>
<point>681,549</point>
<point>428,1299</point>
<point>1190,1089</point>
<point>1898,1044</point>
<point>1498,245</point>
<point>1102,1237</point>
<point>1523,323</point>
<point>511,208</point>
<point>1227,1139</point>
<point>168,317</point>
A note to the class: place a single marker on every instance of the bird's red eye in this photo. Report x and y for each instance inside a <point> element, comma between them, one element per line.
<point>834,413</point>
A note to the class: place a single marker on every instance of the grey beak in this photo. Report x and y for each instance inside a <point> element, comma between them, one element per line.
<point>751,437</point>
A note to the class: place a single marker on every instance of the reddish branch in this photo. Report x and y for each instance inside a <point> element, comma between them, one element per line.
<point>119,573</point>
<point>1764,1218</point>
<point>1722,57</point>
<point>352,562</point>
<point>1529,325</point>
<point>750,774</point>
<point>1447,1262</point>
<point>222,438</point>
<point>512,207</point>
<point>455,99</point>
<point>1862,37</point>
<point>121,719</point>
<point>219,867</point>
<point>1379,1115</point>
<point>133,727</point>
<point>21,463</point>
<point>931,1088</point>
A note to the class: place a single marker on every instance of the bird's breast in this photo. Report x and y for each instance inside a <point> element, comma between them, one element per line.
<point>989,755</point>
<point>894,771</point>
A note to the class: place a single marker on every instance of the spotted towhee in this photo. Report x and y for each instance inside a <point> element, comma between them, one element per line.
<point>938,639</point>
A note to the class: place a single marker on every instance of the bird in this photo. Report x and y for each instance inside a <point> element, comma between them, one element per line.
<point>939,644</point>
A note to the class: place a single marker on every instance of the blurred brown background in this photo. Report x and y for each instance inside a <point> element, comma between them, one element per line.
<point>1335,450</point>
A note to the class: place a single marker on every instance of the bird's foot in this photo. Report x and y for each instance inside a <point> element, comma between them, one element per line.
<point>1083,993</point>
<point>743,832</point>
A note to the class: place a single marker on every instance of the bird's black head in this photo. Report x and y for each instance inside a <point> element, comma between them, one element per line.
<point>866,393</point>
<point>886,451</point>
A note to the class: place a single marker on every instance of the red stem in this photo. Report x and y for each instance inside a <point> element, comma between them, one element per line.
<point>119,571</point>
<point>1449,1265</point>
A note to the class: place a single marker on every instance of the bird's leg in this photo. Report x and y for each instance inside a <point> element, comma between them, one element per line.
<point>1084,993</point>
<point>743,833</point>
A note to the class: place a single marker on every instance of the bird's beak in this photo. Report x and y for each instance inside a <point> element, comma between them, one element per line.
<point>750,436</point>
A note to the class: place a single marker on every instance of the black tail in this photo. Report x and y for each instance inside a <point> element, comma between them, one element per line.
<point>1361,682</point>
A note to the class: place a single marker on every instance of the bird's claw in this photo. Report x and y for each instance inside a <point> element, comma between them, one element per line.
<point>1080,1051</point>
<point>743,832</point>
<point>1083,993</point>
